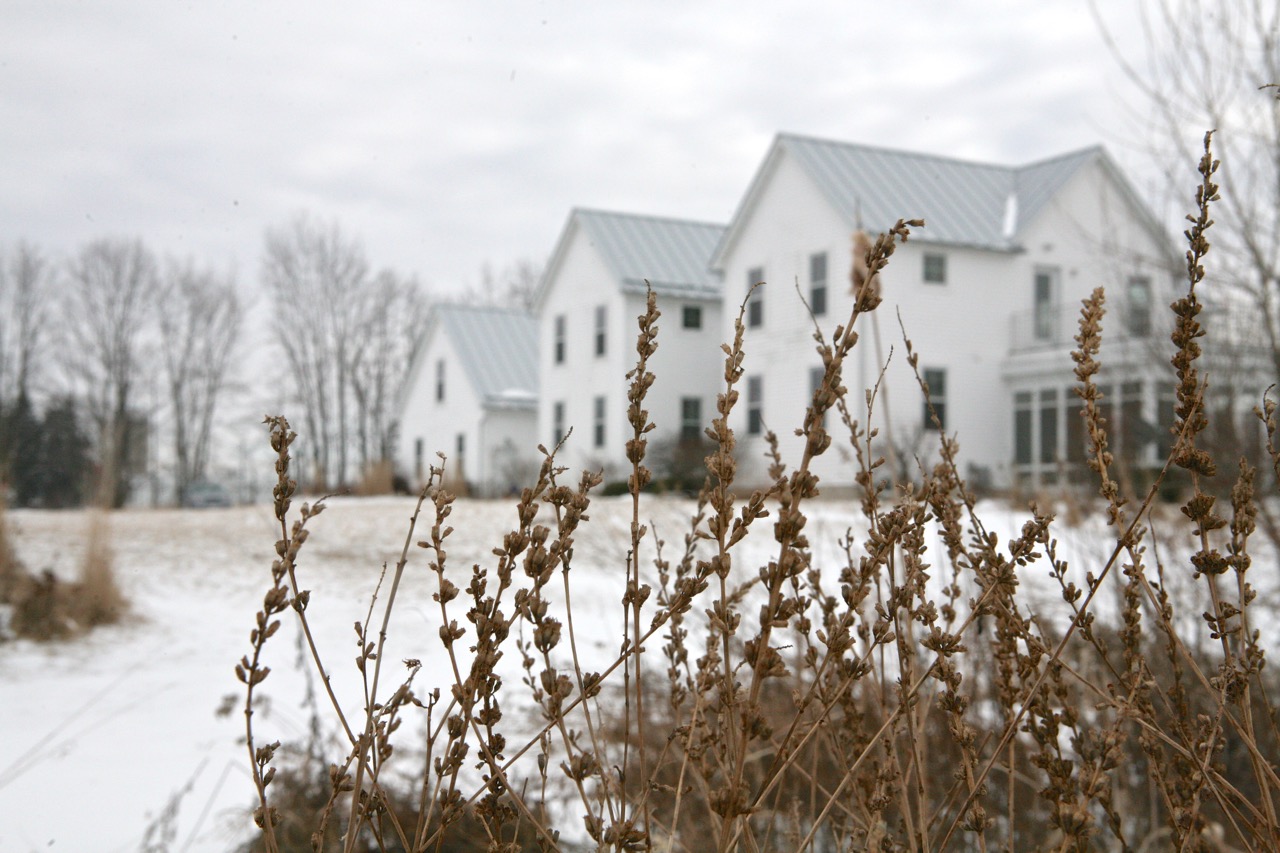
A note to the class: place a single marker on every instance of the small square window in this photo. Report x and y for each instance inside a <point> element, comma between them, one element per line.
<point>935,268</point>
<point>691,317</point>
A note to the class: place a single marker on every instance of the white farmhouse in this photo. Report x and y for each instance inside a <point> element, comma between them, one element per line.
<point>587,304</point>
<point>988,291</point>
<point>472,396</point>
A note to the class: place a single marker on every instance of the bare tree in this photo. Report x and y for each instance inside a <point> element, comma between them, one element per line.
<point>513,286</point>
<point>199,317</point>
<point>392,322</point>
<point>316,276</point>
<point>24,297</point>
<point>1202,66</point>
<point>105,311</point>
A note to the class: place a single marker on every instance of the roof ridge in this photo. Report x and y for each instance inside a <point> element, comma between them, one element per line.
<point>478,309</point>
<point>618,214</point>
<point>1096,148</point>
<point>944,158</point>
<point>897,152</point>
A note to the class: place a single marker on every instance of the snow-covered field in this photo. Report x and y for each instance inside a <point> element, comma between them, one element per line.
<point>99,733</point>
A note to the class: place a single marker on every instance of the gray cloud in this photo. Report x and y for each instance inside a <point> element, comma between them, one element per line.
<point>450,134</point>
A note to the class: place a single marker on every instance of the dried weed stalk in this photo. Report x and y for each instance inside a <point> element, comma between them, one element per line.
<point>909,695</point>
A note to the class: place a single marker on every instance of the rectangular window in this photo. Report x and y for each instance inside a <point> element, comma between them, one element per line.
<point>1138,306</point>
<point>1165,402</point>
<point>559,339</point>
<point>755,405</point>
<point>936,379</point>
<point>755,304</point>
<point>440,381</point>
<point>597,422</point>
<point>818,283</point>
<point>1022,428</point>
<point>690,418</point>
<point>1049,426</point>
<point>462,443</point>
<point>1077,436</point>
<point>417,458</point>
<point>935,268</point>
<point>1046,304</point>
<point>557,422</point>
<point>601,316</point>
<point>1107,413</point>
<point>691,317</point>
<point>1133,431</point>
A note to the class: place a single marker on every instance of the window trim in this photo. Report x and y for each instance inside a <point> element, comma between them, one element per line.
<point>755,302</point>
<point>602,326</point>
<point>939,266</point>
<point>818,285</point>
<point>755,404</point>
<point>1137,323</point>
<point>690,422</point>
<point>1044,311</point>
<point>557,422</point>
<point>936,379</point>
<point>599,405</point>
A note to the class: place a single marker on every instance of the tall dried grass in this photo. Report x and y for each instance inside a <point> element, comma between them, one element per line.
<point>45,607</point>
<point>907,698</point>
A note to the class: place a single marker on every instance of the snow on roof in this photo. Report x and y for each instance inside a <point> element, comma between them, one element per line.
<point>498,348</point>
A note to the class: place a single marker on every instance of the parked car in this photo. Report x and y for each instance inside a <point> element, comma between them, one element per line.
<point>204,494</point>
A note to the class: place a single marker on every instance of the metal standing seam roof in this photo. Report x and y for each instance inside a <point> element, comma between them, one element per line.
<point>498,348</point>
<point>964,203</point>
<point>673,255</point>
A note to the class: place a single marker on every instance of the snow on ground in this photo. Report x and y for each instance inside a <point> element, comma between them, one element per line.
<point>97,734</point>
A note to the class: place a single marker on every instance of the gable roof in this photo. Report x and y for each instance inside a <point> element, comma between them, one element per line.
<point>498,350</point>
<point>673,255</point>
<point>964,203</point>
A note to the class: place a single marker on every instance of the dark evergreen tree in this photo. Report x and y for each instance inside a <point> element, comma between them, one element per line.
<point>63,461</point>
<point>20,451</point>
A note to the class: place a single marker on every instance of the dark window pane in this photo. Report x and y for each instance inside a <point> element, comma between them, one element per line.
<point>935,268</point>
<point>1022,437</point>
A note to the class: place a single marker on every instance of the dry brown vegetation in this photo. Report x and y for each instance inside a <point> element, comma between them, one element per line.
<point>907,699</point>
<point>43,606</point>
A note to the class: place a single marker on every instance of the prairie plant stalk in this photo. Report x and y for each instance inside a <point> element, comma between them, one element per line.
<point>906,694</point>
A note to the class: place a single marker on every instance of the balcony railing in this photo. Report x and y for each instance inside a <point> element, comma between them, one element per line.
<point>1049,326</point>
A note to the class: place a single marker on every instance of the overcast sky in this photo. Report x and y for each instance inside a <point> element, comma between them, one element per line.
<point>446,135</point>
